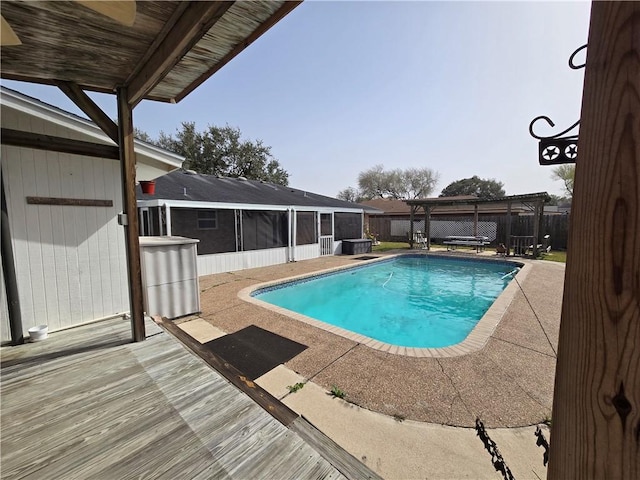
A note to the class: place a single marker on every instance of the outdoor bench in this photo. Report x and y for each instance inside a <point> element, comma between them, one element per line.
<point>478,242</point>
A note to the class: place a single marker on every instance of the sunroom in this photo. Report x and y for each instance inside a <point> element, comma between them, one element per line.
<point>244,223</point>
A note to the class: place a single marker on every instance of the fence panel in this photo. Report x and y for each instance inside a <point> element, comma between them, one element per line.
<point>557,226</point>
<point>445,228</point>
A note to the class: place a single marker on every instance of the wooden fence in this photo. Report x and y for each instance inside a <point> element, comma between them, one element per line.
<point>556,226</point>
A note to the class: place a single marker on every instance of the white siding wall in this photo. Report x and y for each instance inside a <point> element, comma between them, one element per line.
<point>307,252</point>
<point>70,260</point>
<point>231,262</point>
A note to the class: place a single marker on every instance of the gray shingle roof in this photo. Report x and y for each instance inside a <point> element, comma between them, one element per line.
<point>195,187</point>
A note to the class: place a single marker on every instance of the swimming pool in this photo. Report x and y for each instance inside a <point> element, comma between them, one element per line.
<point>419,301</point>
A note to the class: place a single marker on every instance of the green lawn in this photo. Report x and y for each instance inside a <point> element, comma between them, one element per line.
<point>555,256</point>
<point>384,246</point>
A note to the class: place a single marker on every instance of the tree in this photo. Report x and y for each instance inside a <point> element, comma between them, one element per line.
<point>398,183</point>
<point>349,194</point>
<point>222,151</point>
<point>558,200</point>
<point>418,182</point>
<point>566,173</point>
<point>142,135</point>
<point>373,183</point>
<point>481,188</point>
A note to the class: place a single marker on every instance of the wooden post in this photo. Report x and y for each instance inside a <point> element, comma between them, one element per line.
<point>536,229</point>
<point>427,225</point>
<point>596,406</point>
<point>475,220</point>
<point>540,220</point>
<point>128,174</point>
<point>411,210</point>
<point>9,272</point>
<point>508,229</point>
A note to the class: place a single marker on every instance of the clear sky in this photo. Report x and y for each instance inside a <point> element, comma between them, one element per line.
<point>338,87</point>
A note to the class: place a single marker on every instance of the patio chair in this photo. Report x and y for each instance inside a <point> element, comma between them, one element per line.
<point>420,240</point>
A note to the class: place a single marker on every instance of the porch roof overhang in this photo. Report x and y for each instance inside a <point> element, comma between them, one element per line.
<point>170,49</point>
<point>243,206</point>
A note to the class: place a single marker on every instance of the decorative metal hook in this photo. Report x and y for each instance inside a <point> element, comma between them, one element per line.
<point>551,124</point>
<point>573,55</point>
<point>556,149</point>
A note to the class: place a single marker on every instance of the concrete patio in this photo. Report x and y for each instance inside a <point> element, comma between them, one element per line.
<point>408,406</point>
<point>508,383</point>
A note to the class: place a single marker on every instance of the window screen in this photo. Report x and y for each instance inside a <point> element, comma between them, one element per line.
<point>188,222</point>
<point>264,229</point>
<point>347,225</point>
<point>306,228</point>
<point>325,224</point>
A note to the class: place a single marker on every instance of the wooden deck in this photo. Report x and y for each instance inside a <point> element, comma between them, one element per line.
<point>87,403</point>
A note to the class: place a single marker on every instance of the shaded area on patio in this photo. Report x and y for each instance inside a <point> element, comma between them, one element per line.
<point>507,383</point>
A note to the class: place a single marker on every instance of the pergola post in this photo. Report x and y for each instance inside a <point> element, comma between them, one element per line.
<point>411,211</point>
<point>475,220</point>
<point>596,405</point>
<point>536,228</point>
<point>427,225</point>
<point>540,220</point>
<point>508,229</point>
<point>128,173</point>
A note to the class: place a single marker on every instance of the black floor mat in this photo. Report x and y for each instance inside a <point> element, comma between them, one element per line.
<point>366,257</point>
<point>254,351</point>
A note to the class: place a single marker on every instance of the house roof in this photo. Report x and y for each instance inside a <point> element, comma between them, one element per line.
<point>163,53</point>
<point>187,186</point>
<point>23,103</point>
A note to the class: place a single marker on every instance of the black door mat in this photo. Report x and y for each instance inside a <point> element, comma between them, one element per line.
<point>365,257</point>
<point>255,351</point>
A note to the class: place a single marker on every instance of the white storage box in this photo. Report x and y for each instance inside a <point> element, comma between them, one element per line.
<point>170,276</point>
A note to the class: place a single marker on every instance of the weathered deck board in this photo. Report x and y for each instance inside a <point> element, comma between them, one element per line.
<point>84,404</point>
<point>342,460</point>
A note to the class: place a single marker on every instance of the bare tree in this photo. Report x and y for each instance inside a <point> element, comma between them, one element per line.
<point>349,194</point>
<point>398,183</point>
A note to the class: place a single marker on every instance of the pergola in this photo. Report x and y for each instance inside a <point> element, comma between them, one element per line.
<point>172,47</point>
<point>153,50</point>
<point>534,201</point>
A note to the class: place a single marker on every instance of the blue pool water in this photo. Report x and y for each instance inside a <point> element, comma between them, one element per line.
<point>412,300</point>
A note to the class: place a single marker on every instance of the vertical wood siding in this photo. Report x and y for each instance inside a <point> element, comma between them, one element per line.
<point>70,260</point>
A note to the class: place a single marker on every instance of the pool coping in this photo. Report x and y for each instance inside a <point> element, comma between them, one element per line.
<point>476,340</point>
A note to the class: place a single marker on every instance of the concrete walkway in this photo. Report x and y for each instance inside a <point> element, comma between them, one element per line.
<point>399,407</point>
